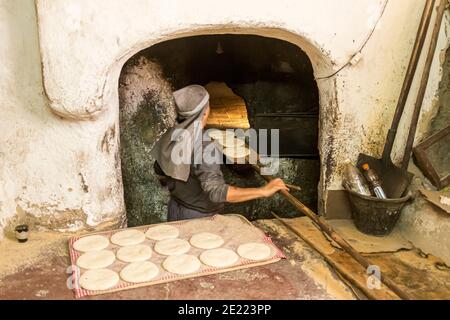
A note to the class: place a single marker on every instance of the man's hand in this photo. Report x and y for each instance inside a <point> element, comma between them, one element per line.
<point>273,187</point>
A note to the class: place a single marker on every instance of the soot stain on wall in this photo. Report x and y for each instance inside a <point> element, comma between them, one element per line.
<point>146,112</point>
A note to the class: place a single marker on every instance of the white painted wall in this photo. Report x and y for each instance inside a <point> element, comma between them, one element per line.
<point>43,156</point>
<point>83,45</point>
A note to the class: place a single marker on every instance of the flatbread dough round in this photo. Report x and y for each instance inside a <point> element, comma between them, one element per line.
<point>206,240</point>
<point>142,271</point>
<point>140,252</point>
<point>231,142</point>
<point>254,251</point>
<point>172,247</point>
<point>182,264</point>
<point>96,259</point>
<point>99,279</point>
<point>215,134</point>
<point>221,135</point>
<point>91,243</point>
<point>236,152</point>
<point>128,238</point>
<point>219,258</point>
<point>162,232</point>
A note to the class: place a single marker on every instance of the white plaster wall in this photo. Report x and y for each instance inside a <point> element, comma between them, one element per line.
<point>329,31</point>
<point>83,45</point>
<point>75,77</point>
<point>42,156</point>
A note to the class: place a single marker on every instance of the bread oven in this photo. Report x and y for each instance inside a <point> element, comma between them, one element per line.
<point>254,82</point>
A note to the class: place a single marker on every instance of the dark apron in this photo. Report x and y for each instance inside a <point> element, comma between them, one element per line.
<point>177,212</point>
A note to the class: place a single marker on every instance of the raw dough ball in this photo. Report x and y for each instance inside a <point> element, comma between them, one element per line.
<point>206,240</point>
<point>139,272</point>
<point>128,238</point>
<point>237,152</point>
<point>96,259</point>
<point>219,258</point>
<point>162,232</point>
<point>100,279</point>
<point>91,243</point>
<point>254,251</point>
<point>183,264</point>
<point>172,247</point>
<point>140,252</point>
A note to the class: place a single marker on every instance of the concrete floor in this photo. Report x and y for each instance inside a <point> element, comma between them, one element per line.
<point>44,277</point>
<point>38,269</point>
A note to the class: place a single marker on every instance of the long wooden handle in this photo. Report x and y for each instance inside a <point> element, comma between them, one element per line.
<point>324,226</point>
<point>291,186</point>
<point>423,84</point>
<point>409,77</point>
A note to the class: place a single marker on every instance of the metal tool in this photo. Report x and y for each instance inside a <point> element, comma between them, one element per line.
<point>396,180</point>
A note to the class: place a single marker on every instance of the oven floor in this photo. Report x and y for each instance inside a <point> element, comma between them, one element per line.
<point>38,270</point>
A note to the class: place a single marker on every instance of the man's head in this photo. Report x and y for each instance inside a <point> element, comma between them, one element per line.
<point>191,101</point>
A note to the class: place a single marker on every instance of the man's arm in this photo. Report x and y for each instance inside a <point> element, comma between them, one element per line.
<point>235,194</point>
<point>212,182</point>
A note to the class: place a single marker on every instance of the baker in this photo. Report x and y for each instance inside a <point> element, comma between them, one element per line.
<point>197,188</point>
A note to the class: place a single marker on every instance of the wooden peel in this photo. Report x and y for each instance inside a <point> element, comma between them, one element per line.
<point>294,187</point>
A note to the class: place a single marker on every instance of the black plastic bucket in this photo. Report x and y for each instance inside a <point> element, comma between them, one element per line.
<point>375,216</point>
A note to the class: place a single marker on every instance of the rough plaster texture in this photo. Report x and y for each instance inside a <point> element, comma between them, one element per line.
<point>425,225</point>
<point>54,173</point>
<point>65,172</point>
<point>147,111</point>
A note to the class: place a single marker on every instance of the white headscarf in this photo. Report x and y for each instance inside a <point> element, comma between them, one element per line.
<point>191,103</point>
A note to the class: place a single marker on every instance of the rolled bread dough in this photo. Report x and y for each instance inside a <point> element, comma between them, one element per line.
<point>128,238</point>
<point>206,240</point>
<point>219,258</point>
<point>182,264</point>
<point>236,152</point>
<point>99,279</point>
<point>172,247</point>
<point>96,259</point>
<point>142,271</point>
<point>91,243</point>
<point>139,252</point>
<point>254,251</point>
<point>162,232</point>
